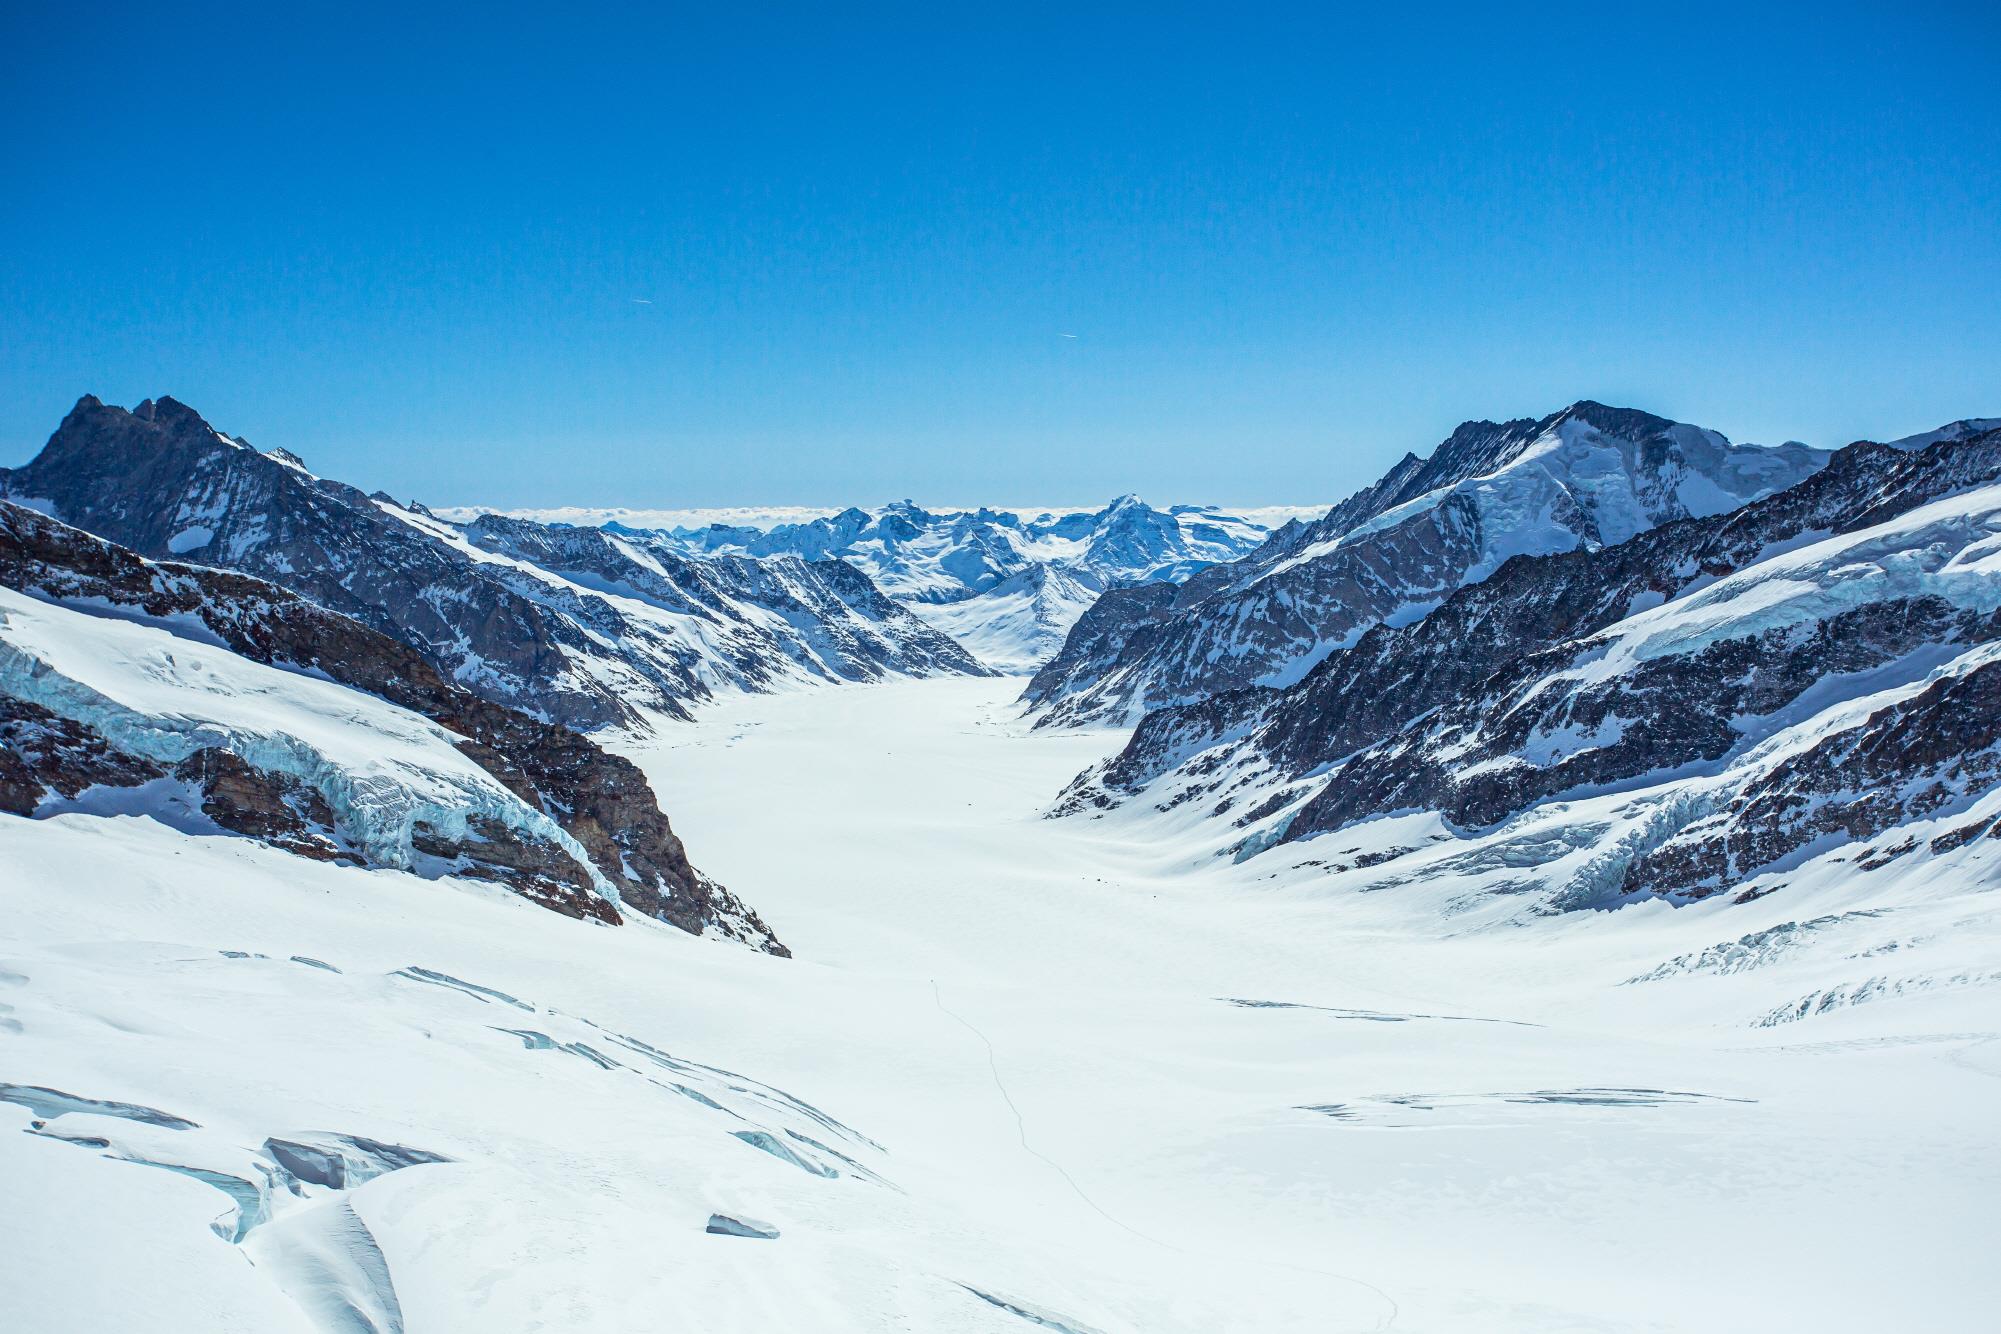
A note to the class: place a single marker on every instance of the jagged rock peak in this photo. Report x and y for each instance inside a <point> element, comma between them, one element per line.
<point>165,483</point>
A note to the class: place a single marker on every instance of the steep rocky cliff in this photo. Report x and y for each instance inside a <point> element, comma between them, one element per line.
<point>1585,478</point>
<point>603,635</point>
<point>598,800</point>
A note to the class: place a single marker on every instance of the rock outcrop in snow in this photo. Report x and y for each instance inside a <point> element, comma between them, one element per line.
<point>1587,477</point>
<point>604,634</point>
<point>214,697</point>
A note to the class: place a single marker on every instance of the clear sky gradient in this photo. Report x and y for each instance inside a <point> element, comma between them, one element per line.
<point>560,254</point>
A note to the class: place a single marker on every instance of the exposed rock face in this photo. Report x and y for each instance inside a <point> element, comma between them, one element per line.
<point>272,808</point>
<point>1122,625</point>
<point>823,616</point>
<point>1535,735</point>
<point>43,756</point>
<point>1584,478</point>
<point>1679,653</point>
<point>1912,759</point>
<point>1664,712</point>
<point>532,868</point>
<point>600,800</point>
<point>1395,674</point>
<point>166,484</point>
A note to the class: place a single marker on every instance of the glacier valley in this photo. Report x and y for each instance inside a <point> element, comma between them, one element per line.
<point>1022,1074</point>
<point>1551,890</point>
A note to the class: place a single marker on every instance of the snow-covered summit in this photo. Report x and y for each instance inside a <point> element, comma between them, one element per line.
<point>1018,623</point>
<point>1586,477</point>
<point>922,555</point>
<point>1694,711</point>
<point>1007,584</point>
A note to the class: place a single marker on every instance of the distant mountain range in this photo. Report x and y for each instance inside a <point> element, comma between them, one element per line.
<point>1007,585</point>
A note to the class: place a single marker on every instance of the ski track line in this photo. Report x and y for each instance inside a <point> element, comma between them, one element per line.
<point>1021,1133</point>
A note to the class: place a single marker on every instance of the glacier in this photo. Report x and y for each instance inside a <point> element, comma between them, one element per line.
<point>1117,1149</point>
<point>382,770</point>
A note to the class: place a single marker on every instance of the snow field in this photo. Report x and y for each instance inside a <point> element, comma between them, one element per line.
<point>1433,1122</point>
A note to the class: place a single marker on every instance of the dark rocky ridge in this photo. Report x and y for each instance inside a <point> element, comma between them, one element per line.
<point>830,614</point>
<point>601,800</point>
<point>1674,711</point>
<point>1283,607</point>
<point>1669,714</point>
<point>43,754</point>
<point>1395,674</point>
<point>1436,715</point>
<point>163,482</point>
<point>145,478</point>
<point>1917,758</point>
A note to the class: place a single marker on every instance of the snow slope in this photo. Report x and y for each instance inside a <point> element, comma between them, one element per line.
<point>1019,623</point>
<point>1950,550</point>
<point>1022,1075</point>
<point>383,770</point>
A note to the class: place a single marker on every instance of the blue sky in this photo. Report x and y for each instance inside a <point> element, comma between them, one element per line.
<point>530,255</point>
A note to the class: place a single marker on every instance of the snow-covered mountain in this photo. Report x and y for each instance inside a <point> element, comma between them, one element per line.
<point>1016,625</point>
<point>1699,709</point>
<point>602,633</point>
<point>923,556</point>
<point>289,1044</point>
<point>221,704</point>
<point>1008,585</point>
<point>1586,477</point>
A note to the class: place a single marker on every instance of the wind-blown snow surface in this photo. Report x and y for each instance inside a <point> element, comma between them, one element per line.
<point>1024,1074</point>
